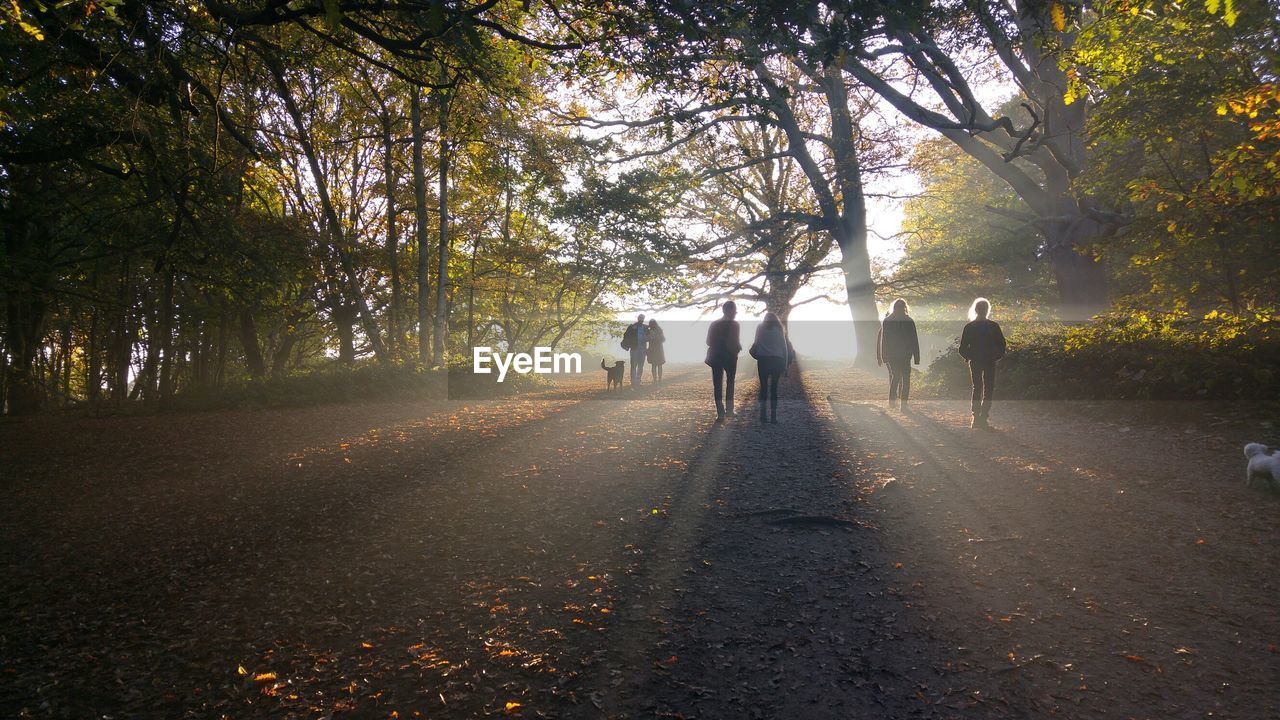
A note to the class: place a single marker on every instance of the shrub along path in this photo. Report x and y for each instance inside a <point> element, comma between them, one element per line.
<point>576,553</point>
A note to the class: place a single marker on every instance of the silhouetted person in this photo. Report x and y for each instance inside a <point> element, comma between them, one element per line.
<point>982,344</point>
<point>657,356</point>
<point>636,340</point>
<point>897,345</point>
<point>772,351</point>
<point>723,345</point>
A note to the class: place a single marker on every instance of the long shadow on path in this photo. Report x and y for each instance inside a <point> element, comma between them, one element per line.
<point>776,597</point>
<point>1068,582</point>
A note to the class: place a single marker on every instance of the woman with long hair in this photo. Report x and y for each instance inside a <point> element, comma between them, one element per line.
<point>657,356</point>
<point>772,351</point>
<point>897,344</point>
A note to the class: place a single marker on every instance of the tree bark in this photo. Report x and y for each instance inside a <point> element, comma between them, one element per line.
<point>442,275</point>
<point>165,328</point>
<point>420,217</point>
<point>344,320</point>
<point>249,341</point>
<point>25,317</point>
<point>93,366</point>
<point>394,333</point>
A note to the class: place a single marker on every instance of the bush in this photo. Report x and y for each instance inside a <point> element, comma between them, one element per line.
<point>1130,356</point>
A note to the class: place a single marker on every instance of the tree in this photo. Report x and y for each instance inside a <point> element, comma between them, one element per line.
<point>719,64</point>
<point>1187,140</point>
<point>962,238</point>
<point>762,247</point>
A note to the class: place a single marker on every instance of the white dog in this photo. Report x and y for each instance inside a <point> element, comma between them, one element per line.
<point>1264,467</point>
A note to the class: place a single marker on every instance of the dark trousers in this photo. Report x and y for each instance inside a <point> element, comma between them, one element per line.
<point>983,377</point>
<point>771,369</point>
<point>722,376</point>
<point>899,379</point>
<point>637,366</point>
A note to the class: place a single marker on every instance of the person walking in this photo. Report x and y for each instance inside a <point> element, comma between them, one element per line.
<point>982,344</point>
<point>897,344</point>
<point>724,342</point>
<point>657,356</point>
<point>636,340</point>
<point>773,353</point>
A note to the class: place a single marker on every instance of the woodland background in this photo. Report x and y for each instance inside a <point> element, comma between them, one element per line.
<point>211,199</point>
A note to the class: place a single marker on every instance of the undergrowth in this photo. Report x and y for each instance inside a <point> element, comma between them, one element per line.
<point>1130,356</point>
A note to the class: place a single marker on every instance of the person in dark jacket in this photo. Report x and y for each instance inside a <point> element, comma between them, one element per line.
<point>636,340</point>
<point>897,345</point>
<point>772,351</point>
<point>981,345</point>
<point>656,355</point>
<point>723,345</point>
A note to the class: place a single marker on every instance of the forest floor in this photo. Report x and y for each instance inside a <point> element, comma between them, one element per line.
<point>583,554</point>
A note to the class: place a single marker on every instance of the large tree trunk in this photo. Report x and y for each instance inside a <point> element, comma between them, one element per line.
<point>1080,278</point>
<point>441,327</point>
<point>249,341</point>
<point>860,291</point>
<point>420,217</point>
<point>344,320</point>
<point>93,366</point>
<point>394,333</point>
<point>1081,282</point>
<point>24,325</point>
<point>165,328</point>
<point>280,357</point>
<point>850,228</point>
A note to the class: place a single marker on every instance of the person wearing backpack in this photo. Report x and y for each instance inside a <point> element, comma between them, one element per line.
<point>774,354</point>
<point>636,340</point>
<point>897,344</point>
<point>982,344</point>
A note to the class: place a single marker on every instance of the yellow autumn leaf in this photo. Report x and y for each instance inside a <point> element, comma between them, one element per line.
<point>264,677</point>
<point>513,706</point>
<point>1058,15</point>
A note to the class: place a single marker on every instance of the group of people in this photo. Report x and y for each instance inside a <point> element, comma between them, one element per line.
<point>982,344</point>
<point>772,352</point>
<point>645,343</point>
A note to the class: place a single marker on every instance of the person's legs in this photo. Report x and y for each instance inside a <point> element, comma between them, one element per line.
<point>637,367</point>
<point>895,381</point>
<point>988,387</point>
<point>659,367</point>
<point>775,376</point>
<point>763,370</point>
<point>904,379</point>
<point>975,380</point>
<point>717,386</point>
<point>731,371</point>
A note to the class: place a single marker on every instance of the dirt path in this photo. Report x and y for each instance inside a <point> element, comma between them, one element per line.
<point>585,554</point>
